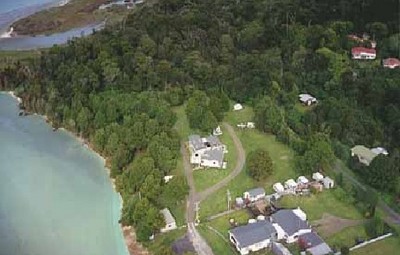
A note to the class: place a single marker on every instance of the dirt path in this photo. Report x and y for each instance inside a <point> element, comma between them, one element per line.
<point>198,242</point>
<point>329,224</point>
<point>391,217</point>
<point>241,159</point>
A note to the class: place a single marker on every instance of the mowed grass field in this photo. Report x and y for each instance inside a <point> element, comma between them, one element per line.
<point>282,157</point>
<point>316,205</point>
<point>387,246</point>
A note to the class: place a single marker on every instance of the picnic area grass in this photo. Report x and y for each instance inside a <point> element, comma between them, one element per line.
<point>282,157</point>
<point>390,245</point>
<point>347,237</point>
<point>222,224</point>
<point>316,205</point>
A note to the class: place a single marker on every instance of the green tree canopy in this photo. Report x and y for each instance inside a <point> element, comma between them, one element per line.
<point>259,164</point>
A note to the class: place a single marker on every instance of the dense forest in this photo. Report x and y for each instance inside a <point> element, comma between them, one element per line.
<point>116,88</point>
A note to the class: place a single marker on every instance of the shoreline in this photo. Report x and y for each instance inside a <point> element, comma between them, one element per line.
<point>60,17</point>
<point>128,232</point>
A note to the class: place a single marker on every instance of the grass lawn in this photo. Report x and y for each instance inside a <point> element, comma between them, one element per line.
<point>347,237</point>
<point>281,156</point>
<point>164,240</point>
<point>391,245</point>
<point>316,205</point>
<point>222,225</point>
<point>218,244</point>
<point>236,117</point>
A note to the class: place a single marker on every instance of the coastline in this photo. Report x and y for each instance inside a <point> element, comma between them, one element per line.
<point>128,232</point>
<point>63,16</point>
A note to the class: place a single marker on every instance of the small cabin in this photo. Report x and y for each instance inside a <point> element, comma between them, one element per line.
<point>237,107</point>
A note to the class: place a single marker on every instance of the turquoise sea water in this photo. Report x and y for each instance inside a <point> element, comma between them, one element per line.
<point>55,194</point>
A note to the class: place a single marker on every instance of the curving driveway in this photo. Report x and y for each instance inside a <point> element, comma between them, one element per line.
<point>198,242</point>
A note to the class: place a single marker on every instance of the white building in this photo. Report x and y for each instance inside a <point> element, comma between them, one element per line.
<point>252,237</point>
<point>237,107</point>
<point>254,194</point>
<point>317,176</point>
<point>170,223</point>
<point>290,224</point>
<point>302,180</point>
<point>328,182</point>
<point>380,150</point>
<point>278,188</point>
<point>290,185</point>
<point>363,53</point>
<point>307,99</point>
<point>207,151</point>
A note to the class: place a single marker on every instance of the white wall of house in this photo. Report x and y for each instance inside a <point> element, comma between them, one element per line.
<point>168,227</point>
<point>255,198</point>
<point>364,56</point>
<point>280,233</point>
<point>251,248</point>
<point>210,163</point>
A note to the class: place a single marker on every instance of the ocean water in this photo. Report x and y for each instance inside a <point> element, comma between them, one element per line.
<point>55,195</point>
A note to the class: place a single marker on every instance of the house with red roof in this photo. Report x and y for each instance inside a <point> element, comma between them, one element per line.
<point>391,63</point>
<point>363,53</point>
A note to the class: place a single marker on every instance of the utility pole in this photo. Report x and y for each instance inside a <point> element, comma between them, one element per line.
<point>228,194</point>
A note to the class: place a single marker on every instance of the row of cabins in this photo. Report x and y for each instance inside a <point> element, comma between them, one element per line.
<point>366,155</point>
<point>207,151</point>
<point>292,187</point>
<point>289,187</point>
<point>287,225</point>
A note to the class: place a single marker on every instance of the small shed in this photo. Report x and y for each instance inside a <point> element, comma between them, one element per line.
<point>317,176</point>
<point>251,125</point>
<point>290,184</point>
<point>278,187</point>
<point>328,183</point>
<point>241,125</point>
<point>167,178</point>
<point>307,99</point>
<point>237,107</point>
<point>302,180</point>
<point>217,131</point>
<point>380,150</point>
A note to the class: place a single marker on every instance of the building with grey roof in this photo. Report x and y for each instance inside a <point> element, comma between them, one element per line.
<point>279,249</point>
<point>253,236</point>
<point>290,224</point>
<point>314,244</point>
<point>213,158</point>
<point>170,223</point>
<point>206,151</point>
<point>254,194</point>
<point>196,143</point>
